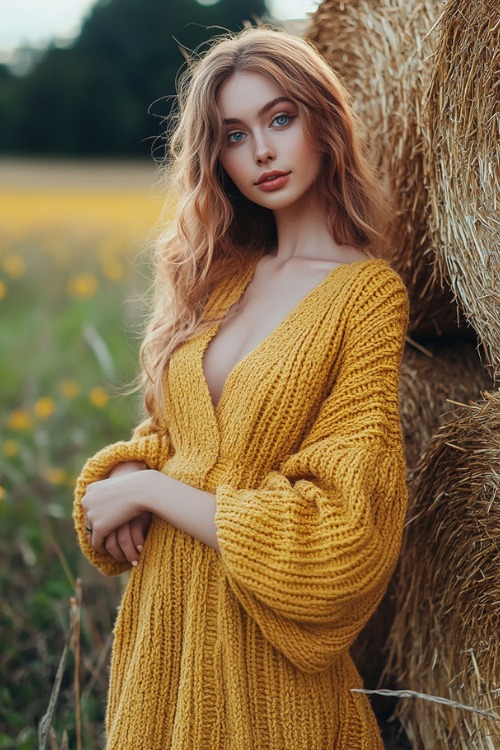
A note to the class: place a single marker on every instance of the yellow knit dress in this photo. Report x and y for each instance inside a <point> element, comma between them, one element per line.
<point>247,648</point>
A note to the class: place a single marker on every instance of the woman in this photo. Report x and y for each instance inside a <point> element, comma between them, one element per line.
<point>271,462</point>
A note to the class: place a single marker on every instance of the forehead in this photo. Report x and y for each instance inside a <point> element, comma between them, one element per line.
<point>244,94</point>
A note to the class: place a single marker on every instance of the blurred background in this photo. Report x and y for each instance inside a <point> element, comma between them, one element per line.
<point>78,78</point>
<point>84,90</point>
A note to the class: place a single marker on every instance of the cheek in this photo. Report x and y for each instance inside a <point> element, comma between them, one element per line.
<point>312,158</point>
<point>305,153</point>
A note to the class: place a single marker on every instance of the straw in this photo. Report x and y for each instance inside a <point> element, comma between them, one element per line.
<point>462,108</point>
<point>445,640</point>
<point>449,371</point>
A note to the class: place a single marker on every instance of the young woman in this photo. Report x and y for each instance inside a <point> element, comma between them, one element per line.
<point>270,468</point>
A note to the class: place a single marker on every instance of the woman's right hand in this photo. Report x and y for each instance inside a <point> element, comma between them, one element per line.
<point>126,542</point>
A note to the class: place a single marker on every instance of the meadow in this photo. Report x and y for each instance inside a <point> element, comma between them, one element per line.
<point>74,265</point>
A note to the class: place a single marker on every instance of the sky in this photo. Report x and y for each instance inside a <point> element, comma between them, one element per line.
<point>36,22</point>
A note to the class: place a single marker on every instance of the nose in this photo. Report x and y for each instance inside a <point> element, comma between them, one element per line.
<point>264,151</point>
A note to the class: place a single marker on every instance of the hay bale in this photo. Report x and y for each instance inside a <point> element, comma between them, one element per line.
<point>380,48</point>
<point>462,109</point>
<point>429,380</point>
<point>445,639</point>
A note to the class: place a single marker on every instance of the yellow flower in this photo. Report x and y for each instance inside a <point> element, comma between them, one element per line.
<point>19,419</point>
<point>54,475</point>
<point>83,286</point>
<point>14,265</point>
<point>10,448</point>
<point>69,389</point>
<point>2,493</point>
<point>3,289</point>
<point>44,407</point>
<point>98,397</point>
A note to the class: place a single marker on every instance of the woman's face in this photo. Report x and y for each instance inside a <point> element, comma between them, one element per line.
<point>266,152</point>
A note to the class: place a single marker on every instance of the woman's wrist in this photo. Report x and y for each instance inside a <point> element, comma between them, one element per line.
<point>156,496</point>
<point>187,508</point>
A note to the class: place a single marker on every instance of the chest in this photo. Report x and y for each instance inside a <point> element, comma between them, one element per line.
<point>264,308</point>
<point>266,404</point>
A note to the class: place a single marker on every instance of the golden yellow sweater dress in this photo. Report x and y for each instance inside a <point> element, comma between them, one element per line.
<point>247,649</point>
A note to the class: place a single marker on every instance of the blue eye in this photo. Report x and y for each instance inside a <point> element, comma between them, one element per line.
<point>282,120</point>
<point>236,137</point>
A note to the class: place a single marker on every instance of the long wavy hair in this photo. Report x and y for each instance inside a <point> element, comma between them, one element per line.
<point>217,229</point>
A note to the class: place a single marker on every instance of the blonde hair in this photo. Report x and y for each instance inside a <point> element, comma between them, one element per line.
<point>216,228</point>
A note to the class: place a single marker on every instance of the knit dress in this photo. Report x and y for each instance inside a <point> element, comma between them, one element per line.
<point>248,648</point>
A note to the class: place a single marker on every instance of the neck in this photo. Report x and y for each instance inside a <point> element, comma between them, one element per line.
<point>302,232</point>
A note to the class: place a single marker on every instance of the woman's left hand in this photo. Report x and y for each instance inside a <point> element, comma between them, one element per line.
<point>114,501</point>
<point>126,542</point>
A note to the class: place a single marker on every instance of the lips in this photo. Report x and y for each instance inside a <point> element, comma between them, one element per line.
<point>270,181</point>
<point>269,176</point>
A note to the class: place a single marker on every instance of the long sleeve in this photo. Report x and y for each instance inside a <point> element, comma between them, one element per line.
<point>145,445</point>
<point>309,552</point>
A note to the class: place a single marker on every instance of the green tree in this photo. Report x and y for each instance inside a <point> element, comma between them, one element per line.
<point>7,108</point>
<point>107,93</point>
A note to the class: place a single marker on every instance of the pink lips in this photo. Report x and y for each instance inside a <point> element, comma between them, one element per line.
<point>272,180</point>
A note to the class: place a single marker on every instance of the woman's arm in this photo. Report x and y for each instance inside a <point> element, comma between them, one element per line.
<point>111,503</point>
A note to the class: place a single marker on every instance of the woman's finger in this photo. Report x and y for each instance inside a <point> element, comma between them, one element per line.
<point>111,545</point>
<point>139,527</point>
<point>126,542</point>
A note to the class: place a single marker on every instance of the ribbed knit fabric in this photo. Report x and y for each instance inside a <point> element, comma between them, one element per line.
<point>247,649</point>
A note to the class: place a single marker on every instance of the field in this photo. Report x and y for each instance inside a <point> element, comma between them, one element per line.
<point>74,242</point>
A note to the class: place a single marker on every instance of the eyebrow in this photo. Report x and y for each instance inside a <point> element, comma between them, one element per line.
<point>266,108</point>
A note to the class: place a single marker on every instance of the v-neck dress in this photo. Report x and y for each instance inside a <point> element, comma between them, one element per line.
<point>248,648</point>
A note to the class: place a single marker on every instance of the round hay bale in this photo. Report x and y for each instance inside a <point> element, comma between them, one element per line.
<point>381,50</point>
<point>445,639</point>
<point>462,109</point>
<point>429,381</point>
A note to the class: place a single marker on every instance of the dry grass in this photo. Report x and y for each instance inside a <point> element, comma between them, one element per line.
<point>462,109</point>
<point>445,640</point>
<point>46,732</point>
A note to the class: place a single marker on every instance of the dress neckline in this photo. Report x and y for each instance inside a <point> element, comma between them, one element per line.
<point>240,286</point>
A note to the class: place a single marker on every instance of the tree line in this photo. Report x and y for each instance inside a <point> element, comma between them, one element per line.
<point>109,91</point>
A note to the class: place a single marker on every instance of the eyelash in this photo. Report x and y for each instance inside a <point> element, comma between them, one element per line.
<point>289,117</point>
<point>283,114</point>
